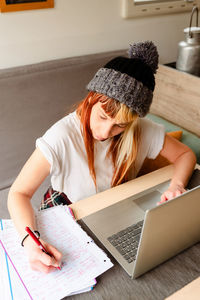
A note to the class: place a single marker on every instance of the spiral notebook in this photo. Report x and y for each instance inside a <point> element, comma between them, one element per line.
<point>82,261</point>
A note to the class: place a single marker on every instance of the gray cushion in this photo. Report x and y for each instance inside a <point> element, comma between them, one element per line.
<point>188,138</point>
<point>37,197</point>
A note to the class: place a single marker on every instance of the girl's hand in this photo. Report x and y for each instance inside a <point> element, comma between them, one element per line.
<point>39,260</point>
<point>172,192</point>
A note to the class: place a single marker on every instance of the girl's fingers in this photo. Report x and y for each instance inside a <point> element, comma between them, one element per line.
<point>163,198</point>
<point>45,262</point>
<point>48,260</point>
<point>56,254</point>
<point>178,193</point>
<point>39,266</point>
<point>169,195</point>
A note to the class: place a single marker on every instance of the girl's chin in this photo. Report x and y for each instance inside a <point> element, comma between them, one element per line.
<point>97,138</point>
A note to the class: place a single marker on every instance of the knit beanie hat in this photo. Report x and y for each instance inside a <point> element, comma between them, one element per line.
<point>130,80</point>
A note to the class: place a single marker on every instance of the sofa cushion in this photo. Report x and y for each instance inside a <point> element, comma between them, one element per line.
<point>36,199</point>
<point>188,138</point>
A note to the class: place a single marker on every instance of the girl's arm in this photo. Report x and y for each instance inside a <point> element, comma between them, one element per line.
<point>36,169</point>
<point>184,161</point>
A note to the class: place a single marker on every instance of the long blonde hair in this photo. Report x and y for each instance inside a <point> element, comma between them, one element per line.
<point>124,146</point>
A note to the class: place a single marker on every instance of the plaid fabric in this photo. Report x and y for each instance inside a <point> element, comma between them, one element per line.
<point>54,198</point>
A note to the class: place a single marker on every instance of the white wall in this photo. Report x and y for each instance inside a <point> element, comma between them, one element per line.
<point>79,27</point>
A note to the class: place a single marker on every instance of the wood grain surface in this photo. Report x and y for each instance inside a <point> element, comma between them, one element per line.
<point>177,98</point>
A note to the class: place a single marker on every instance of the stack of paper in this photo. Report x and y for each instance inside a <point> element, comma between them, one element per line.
<point>10,284</point>
<point>82,259</point>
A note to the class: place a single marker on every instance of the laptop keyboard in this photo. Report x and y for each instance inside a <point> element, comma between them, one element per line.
<point>126,241</point>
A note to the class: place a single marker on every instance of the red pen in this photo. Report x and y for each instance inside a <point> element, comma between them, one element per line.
<point>36,239</point>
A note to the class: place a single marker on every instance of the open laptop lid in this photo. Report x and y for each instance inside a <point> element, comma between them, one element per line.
<point>168,229</point>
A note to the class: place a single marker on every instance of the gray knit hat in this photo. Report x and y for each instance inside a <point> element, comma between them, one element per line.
<point>129,80</point>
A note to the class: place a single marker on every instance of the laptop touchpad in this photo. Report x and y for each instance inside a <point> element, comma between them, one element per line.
<point>148,201</point>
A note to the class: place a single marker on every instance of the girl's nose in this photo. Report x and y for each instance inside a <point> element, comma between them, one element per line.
<point>106,132</point>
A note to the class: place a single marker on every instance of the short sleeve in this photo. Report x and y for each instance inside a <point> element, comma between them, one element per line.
<point>49,154</point>
<point>156,136</point>
<point>50,144</point>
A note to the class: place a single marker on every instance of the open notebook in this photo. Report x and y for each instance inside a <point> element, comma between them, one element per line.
<point>82,259</point>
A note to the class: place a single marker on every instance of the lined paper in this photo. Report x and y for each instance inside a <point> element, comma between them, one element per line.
<point>82,259</point>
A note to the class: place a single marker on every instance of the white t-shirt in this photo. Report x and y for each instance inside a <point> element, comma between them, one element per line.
<point>63,147</point>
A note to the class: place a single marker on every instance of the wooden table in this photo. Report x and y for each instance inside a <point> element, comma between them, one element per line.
<point>157,284</point>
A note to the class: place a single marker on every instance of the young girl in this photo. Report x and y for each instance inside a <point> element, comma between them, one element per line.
<point>100,145</point>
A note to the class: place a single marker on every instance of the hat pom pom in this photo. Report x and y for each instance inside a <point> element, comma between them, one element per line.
<point>145,51</point>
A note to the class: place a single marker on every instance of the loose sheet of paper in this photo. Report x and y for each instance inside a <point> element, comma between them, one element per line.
<point>82,259</point>
<point>12,286</point>
<point>4,282</point>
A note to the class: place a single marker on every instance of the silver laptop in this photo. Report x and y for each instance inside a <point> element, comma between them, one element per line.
<point>141,234</point>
